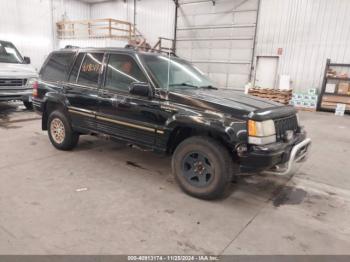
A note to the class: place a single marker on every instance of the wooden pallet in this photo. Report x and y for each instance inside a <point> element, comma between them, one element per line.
<point>280,96</point>
<point>308,109</point>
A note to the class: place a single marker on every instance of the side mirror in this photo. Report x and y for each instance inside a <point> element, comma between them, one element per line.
<point>141,89</point>
<point>26,60</point>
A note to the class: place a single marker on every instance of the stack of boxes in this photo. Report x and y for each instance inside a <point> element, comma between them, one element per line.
<point>307,100</point>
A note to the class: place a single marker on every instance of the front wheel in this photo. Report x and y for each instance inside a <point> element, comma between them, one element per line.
<point>203,167</point>
<point>60,131</point>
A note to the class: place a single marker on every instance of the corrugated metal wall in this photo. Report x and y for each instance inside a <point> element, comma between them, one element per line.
<point>114,9</point>
<point>31,25</point>
<point>28,24</point>
<point>70,10</point>
<point>154,18</point>
<point>218,38</point>
<point>309,32</point>
<point>24,23</point>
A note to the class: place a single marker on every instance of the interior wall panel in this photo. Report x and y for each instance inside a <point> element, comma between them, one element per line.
<point>218,38</point>
<point>30,25</point>
<point>309,32</point>
<point>154,18</point>
<point>32,37</point>
<point>113,9</point>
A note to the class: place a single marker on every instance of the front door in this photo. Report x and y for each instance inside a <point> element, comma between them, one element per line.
<point>129,117</point>
<point>82,90</point>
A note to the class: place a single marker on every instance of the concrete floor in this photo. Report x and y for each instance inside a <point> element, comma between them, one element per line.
<point>105,198</point>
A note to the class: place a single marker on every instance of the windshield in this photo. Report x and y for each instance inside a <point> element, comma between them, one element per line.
<point>181,74</point>
<point>9,54</point>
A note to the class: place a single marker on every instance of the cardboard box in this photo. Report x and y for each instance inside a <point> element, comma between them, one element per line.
<point>330,88</point>
<point>298,103</point>
<point>343,88</point>
<point>306,97</point>
<point>313,104</point>
<point>313,97</point>
<point>312,91</point>
<point>299,96</point>
<point>340,109</point>
<point>306,104</point>
<point>336,99</point>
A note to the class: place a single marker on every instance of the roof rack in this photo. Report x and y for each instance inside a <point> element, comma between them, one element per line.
<point>71,47</point>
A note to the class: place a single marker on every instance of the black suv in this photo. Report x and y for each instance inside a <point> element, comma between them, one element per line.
<point>165,104</point>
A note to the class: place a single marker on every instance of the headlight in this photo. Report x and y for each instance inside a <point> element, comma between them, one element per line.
<point>261,133</point>
<point>264,128</point>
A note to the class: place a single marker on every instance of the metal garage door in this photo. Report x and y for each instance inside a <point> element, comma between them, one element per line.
<point>218,37</point>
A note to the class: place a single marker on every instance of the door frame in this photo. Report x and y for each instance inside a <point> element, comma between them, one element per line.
<point>277,67</point>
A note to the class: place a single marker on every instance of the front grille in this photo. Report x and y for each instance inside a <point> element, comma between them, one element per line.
<point>284,124</point>
<point>12,82</point>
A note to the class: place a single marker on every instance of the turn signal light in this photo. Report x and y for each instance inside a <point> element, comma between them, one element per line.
<point>252,128</point>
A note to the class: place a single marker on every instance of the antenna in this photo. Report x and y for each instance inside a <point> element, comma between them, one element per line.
<point>168,82</point>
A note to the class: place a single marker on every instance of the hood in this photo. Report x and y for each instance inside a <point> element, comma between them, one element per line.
<point>8,70</point>
<point>227,101</point>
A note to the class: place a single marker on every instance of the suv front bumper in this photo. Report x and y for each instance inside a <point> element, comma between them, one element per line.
<point>278,158</point>
<point>298,154</point>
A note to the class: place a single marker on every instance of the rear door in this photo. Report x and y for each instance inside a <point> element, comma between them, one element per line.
<point>82,89</point>
<point>129,117</point>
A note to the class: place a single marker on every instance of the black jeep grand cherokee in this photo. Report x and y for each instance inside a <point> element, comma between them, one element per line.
<point>166,104</point>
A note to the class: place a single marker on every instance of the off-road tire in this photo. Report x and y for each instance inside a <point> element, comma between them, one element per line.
<point>70,139</point>
<point>220,162</point>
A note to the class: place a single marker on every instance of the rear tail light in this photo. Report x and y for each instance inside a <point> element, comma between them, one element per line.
<point>35,86</point>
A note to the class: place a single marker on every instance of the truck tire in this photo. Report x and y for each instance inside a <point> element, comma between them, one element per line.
<point>202,167</point>
<point>28,105</point>
<point>60,131</point>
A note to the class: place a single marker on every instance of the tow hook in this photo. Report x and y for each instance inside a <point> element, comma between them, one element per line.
<point>241,149</point>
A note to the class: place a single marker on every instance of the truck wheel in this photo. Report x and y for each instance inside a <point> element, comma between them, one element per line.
<point>28,105</point>
<point>202,167</point>
<point>60,131</point>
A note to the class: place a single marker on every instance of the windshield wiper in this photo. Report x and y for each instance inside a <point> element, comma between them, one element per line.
<point>208,87</point>
<point>190,85</point>
<point>184,84</point>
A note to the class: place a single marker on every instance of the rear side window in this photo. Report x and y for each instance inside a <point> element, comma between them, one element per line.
<point>57,67</point>
<point>90,69</point>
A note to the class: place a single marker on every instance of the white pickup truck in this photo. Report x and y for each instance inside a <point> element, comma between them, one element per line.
<point>16,75</point>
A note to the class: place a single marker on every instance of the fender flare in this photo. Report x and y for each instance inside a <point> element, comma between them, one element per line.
<point>55,98</point>
<point>233,133</point>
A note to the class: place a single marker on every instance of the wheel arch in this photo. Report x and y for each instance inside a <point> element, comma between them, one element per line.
<point>181,131</point>
<point>52,103</point>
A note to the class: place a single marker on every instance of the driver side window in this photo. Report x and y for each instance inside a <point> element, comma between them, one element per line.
<point>122,70</point>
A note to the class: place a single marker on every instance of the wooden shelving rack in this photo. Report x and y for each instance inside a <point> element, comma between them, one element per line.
<point>328,101</point>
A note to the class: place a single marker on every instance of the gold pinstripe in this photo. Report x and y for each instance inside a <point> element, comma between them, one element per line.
<point>80,113</point>
<point>88,114</point>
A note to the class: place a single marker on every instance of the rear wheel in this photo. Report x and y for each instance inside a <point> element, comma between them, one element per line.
<point>202,167</point>
<point>60,131</point>
<point>28,105</point>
